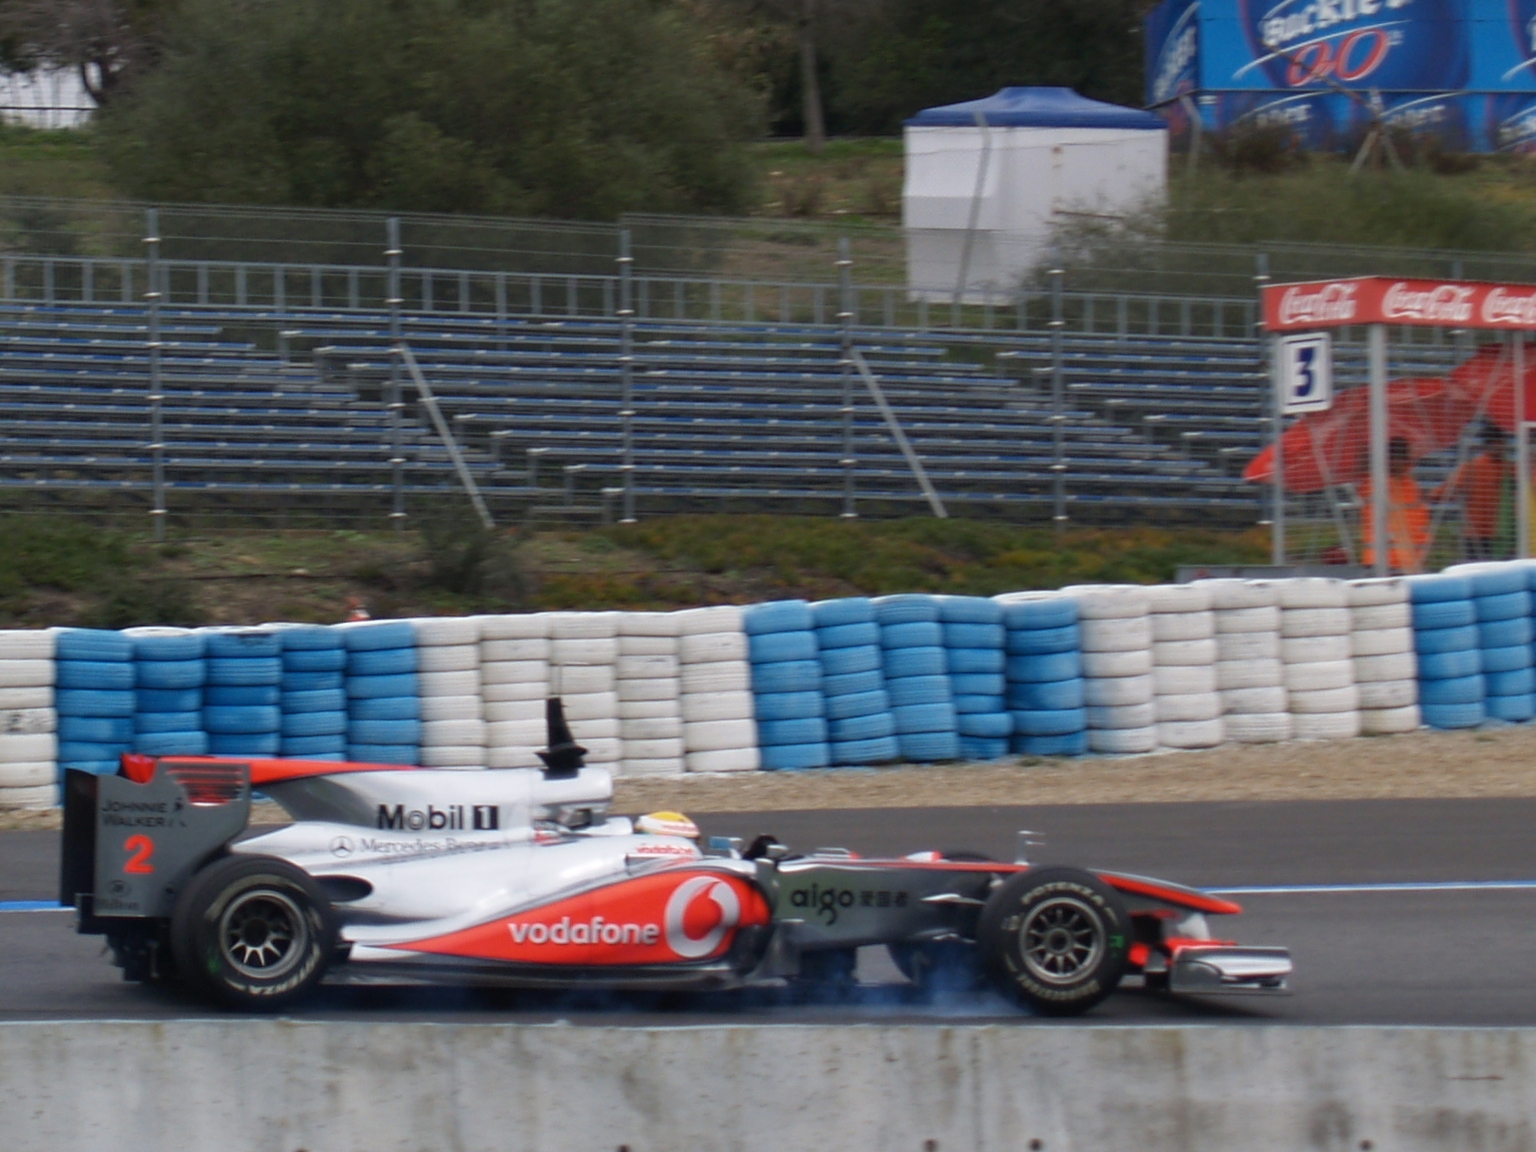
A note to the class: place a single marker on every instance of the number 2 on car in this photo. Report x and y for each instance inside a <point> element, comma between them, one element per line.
<point>141,848</point>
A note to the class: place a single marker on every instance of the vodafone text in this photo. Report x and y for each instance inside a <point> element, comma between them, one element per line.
<point>593,931</point>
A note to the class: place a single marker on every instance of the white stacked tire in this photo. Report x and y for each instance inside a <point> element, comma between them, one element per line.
<point>93,679</point>
<point>169,672</point>
<point>1184,696</point>
<point>716,688</point>
<point>514,686</point>
<point>649,686</point>
<point>1116,629</point>
<point>583,660</point>
<point>448,687</point>
<point>383,707</point>
<point>1249,674</point>
<point>1386,669</point>
<point>314,692</point>
<point>1044,674</point>
<point>28,721</point>
<point>1318,654</point>
<point>242,698</point>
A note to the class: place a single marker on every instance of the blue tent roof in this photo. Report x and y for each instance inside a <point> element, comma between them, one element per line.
<point>1036,108</point>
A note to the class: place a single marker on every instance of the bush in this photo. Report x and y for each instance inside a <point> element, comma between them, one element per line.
<point>578,108</point>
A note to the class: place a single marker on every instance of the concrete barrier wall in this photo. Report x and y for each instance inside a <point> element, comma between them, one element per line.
<point>280,1086</point>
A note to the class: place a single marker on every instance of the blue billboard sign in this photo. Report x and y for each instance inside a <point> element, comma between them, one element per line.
<point>1452,67</point>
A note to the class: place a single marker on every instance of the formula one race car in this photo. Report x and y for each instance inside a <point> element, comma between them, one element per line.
<point>515,877</point>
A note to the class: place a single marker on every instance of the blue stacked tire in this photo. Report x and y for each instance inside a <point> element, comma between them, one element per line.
<point>383,704</point>
<point>94,698</point>
<point>860,727</point>
<point>313,697</point>
<point>1501,599</point>
<point>169,673</point>
<point>1446,639</point>
<point>975,651</point>
<point>787,685</point>
<point>240,699</point>
<point>1044,675</point>
<point>917,677</point>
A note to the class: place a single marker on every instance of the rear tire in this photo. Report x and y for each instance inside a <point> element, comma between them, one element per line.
<point>253,933</point>
<point>1055,939</point>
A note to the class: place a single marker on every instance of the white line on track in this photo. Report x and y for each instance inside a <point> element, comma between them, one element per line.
<point>1409,886</point>
<point>32,906</point>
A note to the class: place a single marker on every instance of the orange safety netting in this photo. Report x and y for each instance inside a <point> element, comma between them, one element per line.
<point>1333,447</point>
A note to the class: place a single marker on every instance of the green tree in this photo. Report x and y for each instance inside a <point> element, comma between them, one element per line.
<point>575,108</point>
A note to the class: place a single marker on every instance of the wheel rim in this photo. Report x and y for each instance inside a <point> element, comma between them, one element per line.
<point>263,934</point>
<point>1061,940</point>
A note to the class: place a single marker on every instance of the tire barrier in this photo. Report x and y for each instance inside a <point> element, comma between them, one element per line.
<point>449,690</point>
<point>975,641</point>
<point>383,705</point>
<point>1187,705</point>
<point>715,691</point>
<point>860,726</point>
<point>313,697</point>
<point>1317,654</point>
<point>169,672</point>
<point>1386,668</point>
<point>29,747</point>
<point>649,687</point>
<point>1044,671</point>
<point>514,684</point>
<point>1116,669</point>
<point>786,685</point>
<point>1445,637</point>
<point>916,670</point>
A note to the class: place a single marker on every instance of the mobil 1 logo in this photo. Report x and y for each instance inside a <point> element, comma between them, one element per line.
<point>1305,367</point>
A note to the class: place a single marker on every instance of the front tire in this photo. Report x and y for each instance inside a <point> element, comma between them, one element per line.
<point>253,933</point>
<point>1055,939</point>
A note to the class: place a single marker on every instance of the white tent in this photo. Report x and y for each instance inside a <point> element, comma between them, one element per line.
<point>986,179</point>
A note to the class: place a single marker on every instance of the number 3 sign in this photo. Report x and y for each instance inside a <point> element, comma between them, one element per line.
<point>1306,373</point>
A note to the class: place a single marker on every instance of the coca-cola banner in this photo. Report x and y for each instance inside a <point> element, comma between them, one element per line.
<point>1383,300</point>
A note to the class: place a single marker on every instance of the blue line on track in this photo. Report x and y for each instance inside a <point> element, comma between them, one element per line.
<point>32,906</point>
<point>1409,886</point>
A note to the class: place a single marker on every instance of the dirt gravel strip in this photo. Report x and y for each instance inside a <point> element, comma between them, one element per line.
<point>1423,765</point>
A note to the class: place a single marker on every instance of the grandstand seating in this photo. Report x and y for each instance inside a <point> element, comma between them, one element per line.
<point>294,402</point>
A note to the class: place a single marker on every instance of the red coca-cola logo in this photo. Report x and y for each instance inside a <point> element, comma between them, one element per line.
<point>1328,303</point>
<point>1439,303</point>
<point>1504,307</point>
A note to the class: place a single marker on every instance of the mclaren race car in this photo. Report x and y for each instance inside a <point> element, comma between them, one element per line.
<point>394,874</point>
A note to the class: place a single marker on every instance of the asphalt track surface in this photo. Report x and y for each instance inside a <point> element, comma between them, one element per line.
<point>1396,912</point>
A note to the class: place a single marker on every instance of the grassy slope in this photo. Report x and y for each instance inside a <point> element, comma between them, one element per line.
<point>71,573</point>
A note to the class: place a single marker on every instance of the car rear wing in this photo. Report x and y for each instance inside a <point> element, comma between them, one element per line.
<point>131,840</point>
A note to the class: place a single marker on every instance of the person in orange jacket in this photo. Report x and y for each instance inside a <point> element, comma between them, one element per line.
<point>1407,517</point>
<point>1479,483</point>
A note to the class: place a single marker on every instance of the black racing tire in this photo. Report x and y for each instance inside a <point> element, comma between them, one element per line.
<point>252,933</point>
<point>1055,939</point>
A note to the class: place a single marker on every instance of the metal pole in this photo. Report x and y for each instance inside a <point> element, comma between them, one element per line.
<point>392,402</point>
<point>1522,457</point>
<point>1277,429</point>
<point>845,318</point>
<point>974,219</point>
<point>1376,344</point>
<point>900,436</point>
<point>429,402</point>
<point>1058,405</point>
<point>156,396</point>
<point>627,374</point>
